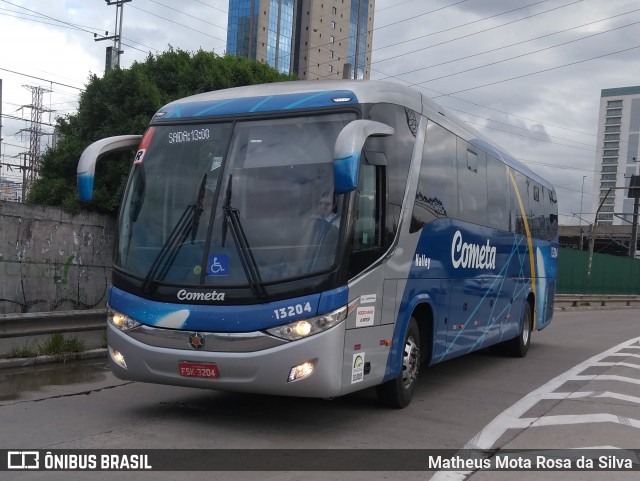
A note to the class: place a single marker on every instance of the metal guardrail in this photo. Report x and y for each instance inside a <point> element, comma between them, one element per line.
<point>58,322</point>
<point>578,300</point>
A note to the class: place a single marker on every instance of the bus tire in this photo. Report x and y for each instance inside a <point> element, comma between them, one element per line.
<point>519,346</point>
<point>397,393</point>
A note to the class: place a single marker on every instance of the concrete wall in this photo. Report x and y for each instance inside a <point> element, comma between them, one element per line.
<point>52,259</point>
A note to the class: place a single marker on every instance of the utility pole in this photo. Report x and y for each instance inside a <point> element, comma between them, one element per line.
<point>113,53</point>
<point>0,118</point>
<point>634,192</point>
<point>31,160</point>
<point>592,241</point>
<point>580,217</point>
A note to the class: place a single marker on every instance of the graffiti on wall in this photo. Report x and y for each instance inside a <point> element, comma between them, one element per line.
<point>52,260</point>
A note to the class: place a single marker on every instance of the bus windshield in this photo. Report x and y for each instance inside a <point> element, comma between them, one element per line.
<point>233,204</point>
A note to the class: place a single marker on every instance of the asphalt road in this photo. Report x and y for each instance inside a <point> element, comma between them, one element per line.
<point>578,387</point>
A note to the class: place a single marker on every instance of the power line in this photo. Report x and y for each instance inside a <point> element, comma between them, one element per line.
<point>187,14</point>
<point>456,27</point>
<point>461,25</point>
<point>39,78</point>
<point>500,111</point>
<point>37,18</point>
<point>485,30</point>
<point>14,117</point>
<point>525,54</point>
<point>413,17</point>
<point>463,36</point>
<point>576,191</point>
<point>211,6</point>
<point>540,71</point>
<point>515,127</point>
<point>506,113</point>
<point>178,23</point>
<point>511,45</point>
<point>50,18</point>
<point>319,47</point>
<point>14,145</point>
<point>555,166</point>
<point>532,138</point>
<point>384,26</point>
<point>395,5</point>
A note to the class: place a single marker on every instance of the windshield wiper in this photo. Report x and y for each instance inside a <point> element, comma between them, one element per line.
<point>188,222</point>
<point>198,208</point>
<point>232,221</point>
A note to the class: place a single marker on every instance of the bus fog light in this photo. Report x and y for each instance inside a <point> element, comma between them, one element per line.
<point>118,358</point>
<point>301,371</point>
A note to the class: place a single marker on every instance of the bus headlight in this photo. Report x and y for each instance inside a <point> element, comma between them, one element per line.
<point>308,327</point>
<point>120,320</point>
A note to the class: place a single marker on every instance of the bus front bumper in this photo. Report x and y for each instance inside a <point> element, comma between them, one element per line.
<point>264,371</point>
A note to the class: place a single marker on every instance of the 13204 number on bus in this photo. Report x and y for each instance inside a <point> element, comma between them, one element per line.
<point>290,311</point>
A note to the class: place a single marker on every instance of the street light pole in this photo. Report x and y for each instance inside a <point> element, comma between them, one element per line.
<point>592,240</point>
<point>580,217</point>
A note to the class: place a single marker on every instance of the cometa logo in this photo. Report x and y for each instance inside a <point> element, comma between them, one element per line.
<point>184,295</point>
<point>472,256</point>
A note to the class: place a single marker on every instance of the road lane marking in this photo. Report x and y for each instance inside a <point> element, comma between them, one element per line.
<point>593,394</point>
<point>624,354</point>
<point>614,364</point>
<point>511,418</point>
<point>563,420</point>
<point>606,377</point>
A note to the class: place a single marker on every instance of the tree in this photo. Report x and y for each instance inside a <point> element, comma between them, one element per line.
<point>122,102</point>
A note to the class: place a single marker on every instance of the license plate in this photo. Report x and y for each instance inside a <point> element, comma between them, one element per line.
<point>196,369</point>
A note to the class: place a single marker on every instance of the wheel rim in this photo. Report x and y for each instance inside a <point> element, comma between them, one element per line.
<point>526,329</point>
<point>410,362</point>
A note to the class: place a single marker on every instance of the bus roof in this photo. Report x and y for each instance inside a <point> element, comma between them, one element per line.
<point>283,96</point>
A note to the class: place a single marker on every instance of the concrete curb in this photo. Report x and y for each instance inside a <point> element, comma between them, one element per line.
<point>32,361</point>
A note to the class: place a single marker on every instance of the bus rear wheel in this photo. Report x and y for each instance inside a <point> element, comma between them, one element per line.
<point>519,346</point>
<point>397,393</point>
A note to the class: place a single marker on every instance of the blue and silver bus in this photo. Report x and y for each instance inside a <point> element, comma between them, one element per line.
<point>318,238</point>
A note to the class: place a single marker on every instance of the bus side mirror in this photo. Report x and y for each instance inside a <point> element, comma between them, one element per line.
<point>347,151</point>
<point>87,163</point>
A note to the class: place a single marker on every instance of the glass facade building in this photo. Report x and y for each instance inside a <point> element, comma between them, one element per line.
<point>280,35</point>
<point>312,39</point>
<point>358,36</point>
<point>268,37</point>
<point>617,156</point>
<point>242,29</point>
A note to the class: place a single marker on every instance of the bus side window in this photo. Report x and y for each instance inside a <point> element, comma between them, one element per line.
<point>517,220</point>
<point>398,149</point>
<point>497,194</point>
<point>437,190</point>
<point>367,234</point>
<point>472,183</point>
<point>553,215</point>
<point>367,243</point>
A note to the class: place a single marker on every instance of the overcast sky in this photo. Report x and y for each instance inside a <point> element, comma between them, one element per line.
<point>526,73</point>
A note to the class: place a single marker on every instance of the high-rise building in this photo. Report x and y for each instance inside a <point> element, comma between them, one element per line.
<point>313,39</point>
<point>617,153</point>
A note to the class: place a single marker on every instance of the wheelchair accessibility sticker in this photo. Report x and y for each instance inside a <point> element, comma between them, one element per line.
<point>218,265</point>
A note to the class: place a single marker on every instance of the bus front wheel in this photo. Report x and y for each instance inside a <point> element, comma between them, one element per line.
<point>397,392</point>
<point>519,346</point>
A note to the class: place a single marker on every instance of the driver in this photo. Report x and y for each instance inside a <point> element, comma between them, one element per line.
<point>328,209</point>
